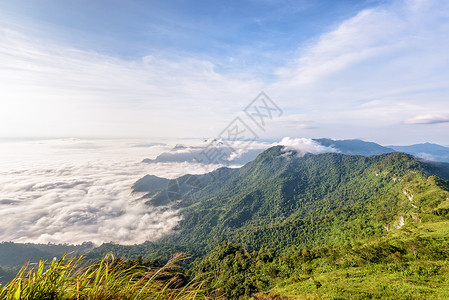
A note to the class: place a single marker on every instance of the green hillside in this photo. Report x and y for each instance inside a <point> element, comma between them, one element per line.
<point>280,200</point>
<point>328,226</point>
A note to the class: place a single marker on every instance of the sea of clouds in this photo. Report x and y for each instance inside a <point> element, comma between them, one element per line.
<point>71,191</point>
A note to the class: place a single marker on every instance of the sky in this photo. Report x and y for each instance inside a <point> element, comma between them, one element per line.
<point>374,70</point>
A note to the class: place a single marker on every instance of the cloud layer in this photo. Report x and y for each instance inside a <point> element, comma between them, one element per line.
<point>81,192</point>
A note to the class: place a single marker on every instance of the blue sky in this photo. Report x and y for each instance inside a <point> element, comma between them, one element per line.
<point>232,34</point>
<point>376,70</point>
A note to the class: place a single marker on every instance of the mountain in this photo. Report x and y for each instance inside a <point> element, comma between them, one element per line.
<point>150,183</point>
<point>288,225</point>
<point>355,147</point>
<point>280,199</point>
<point>426,151</point>
<point>181,153</point>
<point>331,226</point>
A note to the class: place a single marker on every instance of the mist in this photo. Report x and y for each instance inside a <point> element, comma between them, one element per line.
<point>71,191</point>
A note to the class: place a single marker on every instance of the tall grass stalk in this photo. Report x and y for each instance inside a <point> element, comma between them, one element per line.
<point>66,278</point>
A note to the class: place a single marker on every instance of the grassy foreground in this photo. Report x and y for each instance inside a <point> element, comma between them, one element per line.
<point>67,278</point>
<point>408,264</point>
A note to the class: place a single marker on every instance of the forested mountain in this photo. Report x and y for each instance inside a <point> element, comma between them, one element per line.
<point>330,225</point>
<point>280,199</point>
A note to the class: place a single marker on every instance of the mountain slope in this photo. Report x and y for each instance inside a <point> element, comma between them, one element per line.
<point>319,226</point>
<point>150,183</point>
<point>279,200</point>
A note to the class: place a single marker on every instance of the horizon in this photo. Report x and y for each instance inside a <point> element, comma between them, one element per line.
<point>185,140</point>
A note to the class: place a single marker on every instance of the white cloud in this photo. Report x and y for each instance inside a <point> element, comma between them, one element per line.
<point>355,40</point>
<point>428,119</point>
<point>427,156</point>
<point>302,146</point>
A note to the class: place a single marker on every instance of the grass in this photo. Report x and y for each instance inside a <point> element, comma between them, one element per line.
<point>370,282</point>
<point>425,276</point>
<point>66,278</point>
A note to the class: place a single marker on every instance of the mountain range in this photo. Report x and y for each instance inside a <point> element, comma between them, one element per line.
<point>329,225</point>
<point>181,153</point>
<point>281,199</point>
<point>426,151</point>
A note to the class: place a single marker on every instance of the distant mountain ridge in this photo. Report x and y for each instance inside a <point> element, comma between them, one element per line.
<point>355,147</point>
<point>426,151</point>
<point>182,153</point>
